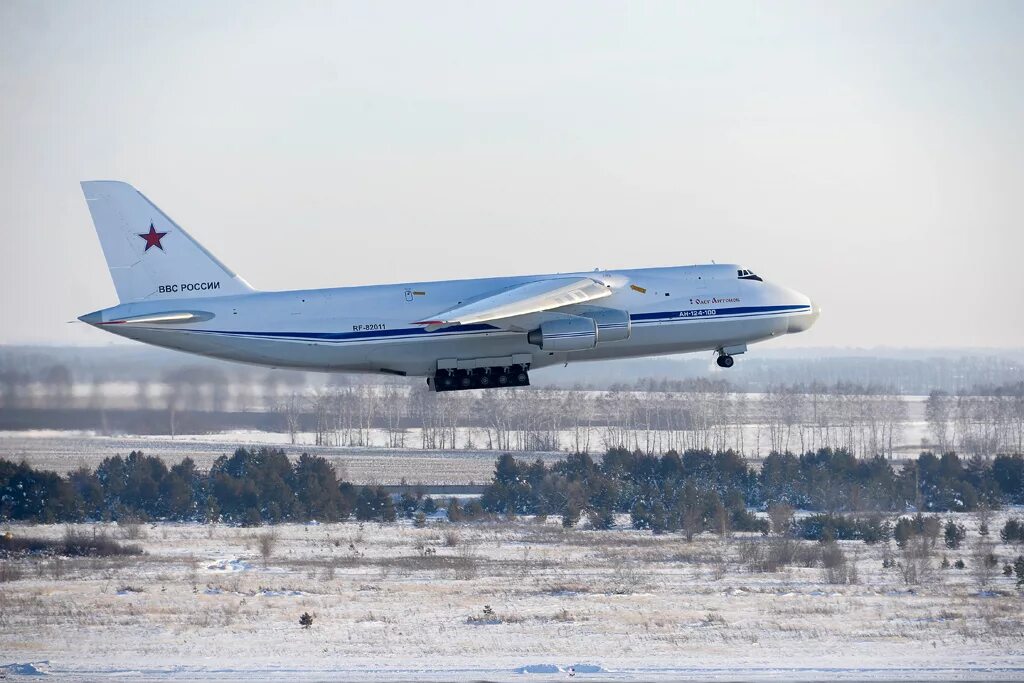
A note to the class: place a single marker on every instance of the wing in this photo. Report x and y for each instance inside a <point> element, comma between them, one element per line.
<point>530,297</point>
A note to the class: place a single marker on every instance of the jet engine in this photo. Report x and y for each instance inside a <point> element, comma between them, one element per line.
<point>612,324</point>
<point>582,331</point>
<point>571,333</point>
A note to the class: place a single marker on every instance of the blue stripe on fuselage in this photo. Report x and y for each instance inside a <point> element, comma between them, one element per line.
<point>716,312</point>
<point>639,318</point>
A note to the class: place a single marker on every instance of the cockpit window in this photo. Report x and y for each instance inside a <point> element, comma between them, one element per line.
<point>744,274</point>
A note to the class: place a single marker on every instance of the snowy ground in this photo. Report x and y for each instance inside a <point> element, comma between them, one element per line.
<point>395,602</point>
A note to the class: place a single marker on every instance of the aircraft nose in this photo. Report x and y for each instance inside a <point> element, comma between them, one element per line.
<point>804,321</point>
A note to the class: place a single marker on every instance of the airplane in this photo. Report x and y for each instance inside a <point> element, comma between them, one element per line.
<point>459,334</point>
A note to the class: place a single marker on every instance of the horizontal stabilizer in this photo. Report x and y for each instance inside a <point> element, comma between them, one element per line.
<point>167,318</point>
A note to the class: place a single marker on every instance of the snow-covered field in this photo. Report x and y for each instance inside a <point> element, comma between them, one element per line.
<point>396,602</point>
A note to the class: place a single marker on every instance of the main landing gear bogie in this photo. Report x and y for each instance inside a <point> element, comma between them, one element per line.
<point>480,378</point>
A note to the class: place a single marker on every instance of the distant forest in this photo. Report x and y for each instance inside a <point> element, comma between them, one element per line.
<point>654,416</point>
<point>903,371</point>
<point>693,491</point>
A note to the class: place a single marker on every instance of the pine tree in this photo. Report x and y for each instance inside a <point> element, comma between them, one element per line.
<point>640,516</point>
<point>409,504</point>
<point>902,532</point>
<point>388,511</point>
<point>1012,532</point>
<point>454,511</point>
<point>658,517</point>
<point>571,515</point>
<point>954,534</point>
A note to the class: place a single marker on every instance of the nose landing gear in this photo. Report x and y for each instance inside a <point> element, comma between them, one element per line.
<point>725,354</point>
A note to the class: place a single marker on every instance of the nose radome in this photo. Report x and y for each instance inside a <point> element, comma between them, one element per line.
<point>804,321</point>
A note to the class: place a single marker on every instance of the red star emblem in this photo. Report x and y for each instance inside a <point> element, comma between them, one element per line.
<point>152,237</point>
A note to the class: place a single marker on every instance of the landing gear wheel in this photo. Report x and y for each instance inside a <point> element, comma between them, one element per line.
<point>725,361</point>
<point>480,378</point>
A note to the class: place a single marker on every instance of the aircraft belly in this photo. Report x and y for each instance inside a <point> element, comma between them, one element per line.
<point>275,353</point>
<point>416,356</point>
<point>419,356</point>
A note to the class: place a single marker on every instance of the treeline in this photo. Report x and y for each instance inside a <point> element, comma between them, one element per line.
<point>27,371</point>
<point>250,487</point>
<point>867,419</point>
<point>701,490</point>
<point>707,491</point>
<point>694,491</point>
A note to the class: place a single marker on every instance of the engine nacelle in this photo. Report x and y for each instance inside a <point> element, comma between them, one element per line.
<point>565,334</point>
<point>612,324</point>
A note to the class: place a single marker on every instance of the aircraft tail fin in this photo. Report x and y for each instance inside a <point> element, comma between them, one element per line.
<point>149,255</point>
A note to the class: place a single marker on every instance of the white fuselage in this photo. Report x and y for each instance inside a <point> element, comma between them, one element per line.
<point>371,329</point>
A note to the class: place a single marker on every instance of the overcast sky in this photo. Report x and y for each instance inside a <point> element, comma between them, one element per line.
<point>868,154</point>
